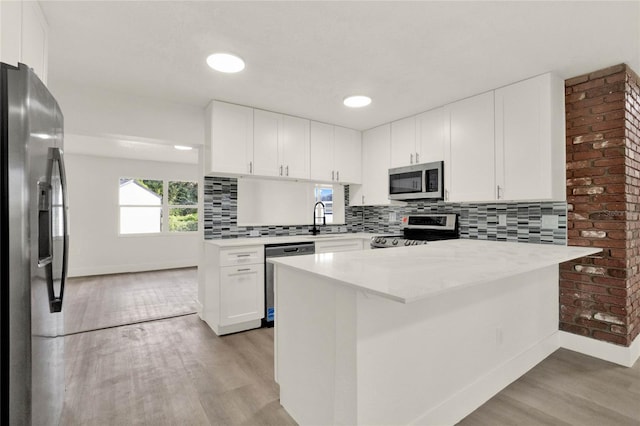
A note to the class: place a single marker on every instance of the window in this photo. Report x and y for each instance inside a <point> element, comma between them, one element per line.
<point>324,193</point>
<point>145,210</point>
<point>183,211</point>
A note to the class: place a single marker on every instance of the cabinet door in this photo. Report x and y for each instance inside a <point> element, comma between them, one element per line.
<point>241,294</point>
<point>376,146</point>
<point>347,155</point>
<point>295,147</point>
<point>524,140</point>
<point>321,142</point>
<point>267,133</point>
<point>430,136</point>
<point>472,149</point>
<point>403,142</point>
<point>231,138</point>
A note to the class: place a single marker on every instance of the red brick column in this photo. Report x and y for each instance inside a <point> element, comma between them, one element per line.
<point>599,295</point>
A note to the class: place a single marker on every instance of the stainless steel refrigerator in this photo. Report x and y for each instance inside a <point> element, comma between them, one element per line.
<point>34,247</point>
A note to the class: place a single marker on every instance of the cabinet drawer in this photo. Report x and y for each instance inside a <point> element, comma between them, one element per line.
<point>242,256</point>
<point>338,245</point>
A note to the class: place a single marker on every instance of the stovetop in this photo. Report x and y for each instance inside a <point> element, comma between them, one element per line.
<point>419,229</point>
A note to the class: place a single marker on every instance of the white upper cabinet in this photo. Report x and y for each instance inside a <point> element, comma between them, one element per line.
<point>403,142</point>
<point>430,136</point>
<point>470,163</point>
<point>530,156</point>
<point>294,148</point>
<point>347,155</point>
<point>280,145</point>
<point>229,134</point>
<point>267,136</point>
<point>24,36</point>
<point>336,153</point>
<point>322,167</point>
<point>376,147</point>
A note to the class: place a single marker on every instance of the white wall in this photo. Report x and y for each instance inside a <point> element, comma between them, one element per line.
<point>95,246</point>
<point>102,113</point>
<point>265,202</point>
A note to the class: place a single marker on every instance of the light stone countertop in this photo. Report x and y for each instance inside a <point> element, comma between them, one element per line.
<point>409,274</point>
<point>240,242</point>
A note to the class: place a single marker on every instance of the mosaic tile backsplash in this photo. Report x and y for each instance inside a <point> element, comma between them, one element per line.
<point>477,220</point>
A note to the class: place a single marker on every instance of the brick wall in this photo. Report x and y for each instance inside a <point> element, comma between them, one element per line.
<point>599,296</point>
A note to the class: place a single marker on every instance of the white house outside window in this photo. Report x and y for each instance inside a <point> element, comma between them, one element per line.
<point>150,206</point>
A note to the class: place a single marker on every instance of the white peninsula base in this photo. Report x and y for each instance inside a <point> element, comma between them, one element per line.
<point>346,356</point>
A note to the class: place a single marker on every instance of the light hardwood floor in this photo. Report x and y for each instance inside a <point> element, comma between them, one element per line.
<point>178,372</point>
<point>110,300</point>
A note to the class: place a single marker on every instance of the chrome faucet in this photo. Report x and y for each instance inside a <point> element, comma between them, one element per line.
<point>315,230</point>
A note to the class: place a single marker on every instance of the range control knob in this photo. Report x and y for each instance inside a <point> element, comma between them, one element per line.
<point>407,242</point>
<point>394,242</point>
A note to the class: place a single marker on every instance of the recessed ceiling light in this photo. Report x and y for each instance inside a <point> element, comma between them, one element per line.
<point>357,101</point>
<point>225,62</point>
<point>183,147</point>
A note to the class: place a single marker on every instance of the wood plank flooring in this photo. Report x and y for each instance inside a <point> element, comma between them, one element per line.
<point>178,372</point>
<point>171,372</point>
<point>110,300</point>
<point>567,388</point>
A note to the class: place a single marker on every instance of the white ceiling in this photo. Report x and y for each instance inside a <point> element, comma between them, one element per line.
<point>303,58</point>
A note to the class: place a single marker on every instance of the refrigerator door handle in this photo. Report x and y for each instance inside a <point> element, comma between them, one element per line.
<point>46,228</point>
<point>45,256</point>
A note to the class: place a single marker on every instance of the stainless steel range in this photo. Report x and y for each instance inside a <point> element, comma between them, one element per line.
<point>419,229</point>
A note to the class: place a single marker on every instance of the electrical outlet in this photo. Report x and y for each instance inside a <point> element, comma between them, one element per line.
<point>502,220</point>
<point>342,229</point>
<point>549,221</point>
<point>392,217</point>
<point>254,233</point>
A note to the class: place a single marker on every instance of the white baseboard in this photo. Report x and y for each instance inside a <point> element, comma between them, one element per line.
<point>121,269</point>
<point>199,310</point>
<point>625,356</point>
<point>473,396</point>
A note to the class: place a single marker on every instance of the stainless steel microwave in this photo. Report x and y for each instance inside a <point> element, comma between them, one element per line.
<point>418,181</point>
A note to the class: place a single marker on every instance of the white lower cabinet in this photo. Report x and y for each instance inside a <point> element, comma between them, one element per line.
<point>339,245</point>
<point>242,294</point>
<point>234,288</point>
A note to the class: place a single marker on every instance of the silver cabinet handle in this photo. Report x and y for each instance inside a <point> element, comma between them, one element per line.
<point>446,194</point>
<point>499,189</point>
<point>338,175</point>
<point>280,170</point>
<point>287,169</point>
<point>333,175</point>
<point>250,167</point>
<point>363,199</point>
<point>417,158</point>
<point>244,269</point>
<point>410,158</point>
<point>243,255</point>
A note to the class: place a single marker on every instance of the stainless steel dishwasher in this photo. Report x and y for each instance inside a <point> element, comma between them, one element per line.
<point>279,250</point>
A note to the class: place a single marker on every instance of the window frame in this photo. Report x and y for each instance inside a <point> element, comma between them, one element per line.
<point>164,209</point>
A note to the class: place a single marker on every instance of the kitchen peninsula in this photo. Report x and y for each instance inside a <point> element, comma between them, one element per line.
<point>420,335</point>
